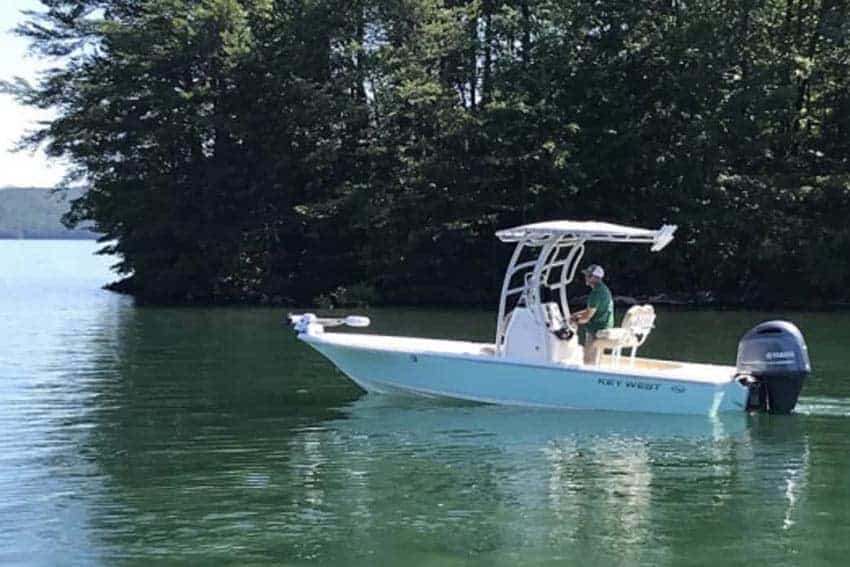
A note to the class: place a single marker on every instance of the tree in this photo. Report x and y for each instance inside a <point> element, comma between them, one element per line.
<point>252,150</point>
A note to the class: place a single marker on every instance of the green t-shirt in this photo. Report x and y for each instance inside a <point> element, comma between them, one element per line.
<point>600,298</point>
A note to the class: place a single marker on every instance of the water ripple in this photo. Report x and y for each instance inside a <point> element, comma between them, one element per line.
<point>202,436</point>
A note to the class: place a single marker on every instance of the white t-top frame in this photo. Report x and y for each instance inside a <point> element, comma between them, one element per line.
<point>547,255</point>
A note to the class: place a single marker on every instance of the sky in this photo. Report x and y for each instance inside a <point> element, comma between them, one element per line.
<point>22,168</point>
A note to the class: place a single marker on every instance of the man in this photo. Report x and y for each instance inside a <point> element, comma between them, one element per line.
<point>599,313</point>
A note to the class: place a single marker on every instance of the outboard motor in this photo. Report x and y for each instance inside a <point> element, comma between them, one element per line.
<point>773,361</point>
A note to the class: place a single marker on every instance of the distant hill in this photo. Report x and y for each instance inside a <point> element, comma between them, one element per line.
<point>31,212</point>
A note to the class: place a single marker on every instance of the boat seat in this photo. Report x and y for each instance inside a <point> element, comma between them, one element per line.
<point>637,323</point>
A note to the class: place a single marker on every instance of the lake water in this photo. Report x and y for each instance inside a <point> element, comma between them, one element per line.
<point>211,436</point>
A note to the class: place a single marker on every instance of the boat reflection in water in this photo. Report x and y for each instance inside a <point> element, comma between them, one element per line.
<point>588,485</point>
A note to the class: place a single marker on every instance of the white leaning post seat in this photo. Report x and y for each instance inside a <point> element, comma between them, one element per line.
<point>632,333</point>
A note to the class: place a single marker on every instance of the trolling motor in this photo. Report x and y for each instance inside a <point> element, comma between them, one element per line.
<point>310,324</point>
<point>773,362</point>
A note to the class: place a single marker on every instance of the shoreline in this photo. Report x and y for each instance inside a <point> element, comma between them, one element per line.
<point>674,302</point>
<point>671,301</point>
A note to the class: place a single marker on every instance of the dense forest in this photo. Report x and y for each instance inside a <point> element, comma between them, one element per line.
<point>32,212</point>
<point>278,150</point>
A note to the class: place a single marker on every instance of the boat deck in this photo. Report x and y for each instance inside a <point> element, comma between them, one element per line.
<point>485,352</point>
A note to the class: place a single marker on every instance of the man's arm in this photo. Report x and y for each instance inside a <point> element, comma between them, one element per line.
<point>583,316</point>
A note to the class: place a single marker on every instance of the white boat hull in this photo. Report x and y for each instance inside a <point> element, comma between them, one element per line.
<point>463,371</point>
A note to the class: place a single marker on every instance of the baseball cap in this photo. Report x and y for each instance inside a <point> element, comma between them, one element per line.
<point>594,270</point>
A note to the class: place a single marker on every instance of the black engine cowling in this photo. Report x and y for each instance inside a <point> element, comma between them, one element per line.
<point>774,361</point>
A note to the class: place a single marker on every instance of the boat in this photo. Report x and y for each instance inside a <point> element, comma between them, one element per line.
<point>536,360</point>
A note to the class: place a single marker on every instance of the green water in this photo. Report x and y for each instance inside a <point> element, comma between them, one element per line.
<point>131,436</point>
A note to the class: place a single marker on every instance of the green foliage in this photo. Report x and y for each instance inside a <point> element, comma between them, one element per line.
<point>357,295</point>
<point>242,149</point>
